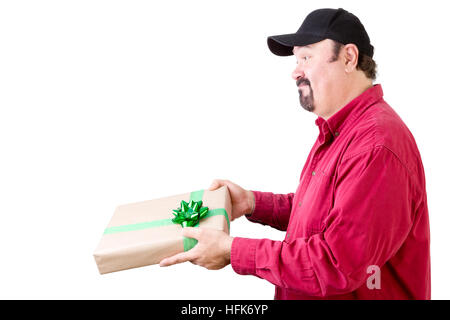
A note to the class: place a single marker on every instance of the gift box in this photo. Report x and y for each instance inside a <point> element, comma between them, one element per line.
<point>144,233</point>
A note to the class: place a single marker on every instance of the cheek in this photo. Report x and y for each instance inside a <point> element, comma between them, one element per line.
<point>321,80</point>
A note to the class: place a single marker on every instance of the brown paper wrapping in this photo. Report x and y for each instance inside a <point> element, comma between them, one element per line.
<point>133,249</point>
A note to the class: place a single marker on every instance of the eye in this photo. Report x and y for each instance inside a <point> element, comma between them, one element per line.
<point>304,59</point>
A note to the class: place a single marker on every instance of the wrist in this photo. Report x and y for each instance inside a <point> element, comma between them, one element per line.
<point>228,246</point>
<point>250,203</point>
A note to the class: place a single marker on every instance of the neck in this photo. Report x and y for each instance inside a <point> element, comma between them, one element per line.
<point>348,94</point>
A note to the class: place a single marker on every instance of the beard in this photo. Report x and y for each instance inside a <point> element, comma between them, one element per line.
<point>306,99</point>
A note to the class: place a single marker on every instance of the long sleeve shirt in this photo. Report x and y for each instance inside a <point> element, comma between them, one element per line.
<point>357,226</point>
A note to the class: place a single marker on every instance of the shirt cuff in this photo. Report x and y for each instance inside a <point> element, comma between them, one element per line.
<point>263,210</point>
<point>243,255</point>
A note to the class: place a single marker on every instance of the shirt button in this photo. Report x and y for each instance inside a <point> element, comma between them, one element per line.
<point>313,173</point>
<point>299,203</point>
<point>336,133</point>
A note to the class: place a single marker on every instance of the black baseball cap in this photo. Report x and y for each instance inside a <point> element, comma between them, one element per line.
<point>335,24</point>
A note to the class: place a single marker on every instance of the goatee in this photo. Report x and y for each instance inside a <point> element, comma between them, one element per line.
<point>306,100</point>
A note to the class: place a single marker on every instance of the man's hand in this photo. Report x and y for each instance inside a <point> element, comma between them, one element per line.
<point>212,250</point>
<point>243,201</point>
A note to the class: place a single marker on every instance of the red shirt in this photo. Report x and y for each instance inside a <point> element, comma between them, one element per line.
<point>360,205</point>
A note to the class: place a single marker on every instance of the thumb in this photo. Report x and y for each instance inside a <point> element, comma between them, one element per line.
<point>214,185</point>
<point>190,232</point>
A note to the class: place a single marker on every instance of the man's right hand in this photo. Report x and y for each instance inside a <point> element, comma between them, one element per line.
<point>243,201</point>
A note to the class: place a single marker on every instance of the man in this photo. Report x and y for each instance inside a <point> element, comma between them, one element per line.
<point>357,226</point>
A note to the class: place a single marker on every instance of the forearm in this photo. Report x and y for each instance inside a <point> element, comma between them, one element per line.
<point>271,209</point>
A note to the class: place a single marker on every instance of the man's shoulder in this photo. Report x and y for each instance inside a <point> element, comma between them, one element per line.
<point>379,126</point>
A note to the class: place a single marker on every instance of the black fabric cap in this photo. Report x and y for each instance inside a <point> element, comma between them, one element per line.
<point>335,24</point>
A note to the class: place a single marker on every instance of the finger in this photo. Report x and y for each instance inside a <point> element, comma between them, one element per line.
<point>190,232</point>
<point>178,258</point>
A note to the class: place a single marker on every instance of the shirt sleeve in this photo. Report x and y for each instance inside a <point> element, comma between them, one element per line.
<point>272,209</point>
<point>370,219</point>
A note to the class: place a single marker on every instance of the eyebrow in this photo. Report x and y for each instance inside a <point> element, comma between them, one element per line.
<point>307,46</point>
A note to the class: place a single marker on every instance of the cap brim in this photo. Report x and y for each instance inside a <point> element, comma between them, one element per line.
<point>282,45</point>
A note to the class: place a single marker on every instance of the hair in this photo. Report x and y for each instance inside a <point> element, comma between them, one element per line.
<point>365,63</point>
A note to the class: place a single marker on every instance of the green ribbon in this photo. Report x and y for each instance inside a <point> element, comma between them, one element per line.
<point>188,243</point>
<point>189,215</point>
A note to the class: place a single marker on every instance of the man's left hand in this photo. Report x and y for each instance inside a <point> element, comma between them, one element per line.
<point>212,250</point>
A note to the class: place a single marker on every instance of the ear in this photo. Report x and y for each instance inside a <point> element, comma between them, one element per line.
<point>351,54</point>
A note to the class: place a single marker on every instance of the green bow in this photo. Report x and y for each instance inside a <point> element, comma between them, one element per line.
<point>189,214</point>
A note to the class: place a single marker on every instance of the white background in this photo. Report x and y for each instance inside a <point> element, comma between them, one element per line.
<point>110,102</point>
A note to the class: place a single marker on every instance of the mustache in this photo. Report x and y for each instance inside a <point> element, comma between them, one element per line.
<point>303,81</point>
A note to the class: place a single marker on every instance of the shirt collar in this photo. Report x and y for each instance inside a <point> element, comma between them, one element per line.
<point>333,126</point>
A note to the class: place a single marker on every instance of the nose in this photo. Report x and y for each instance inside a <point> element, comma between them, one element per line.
<point>298,72</point>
